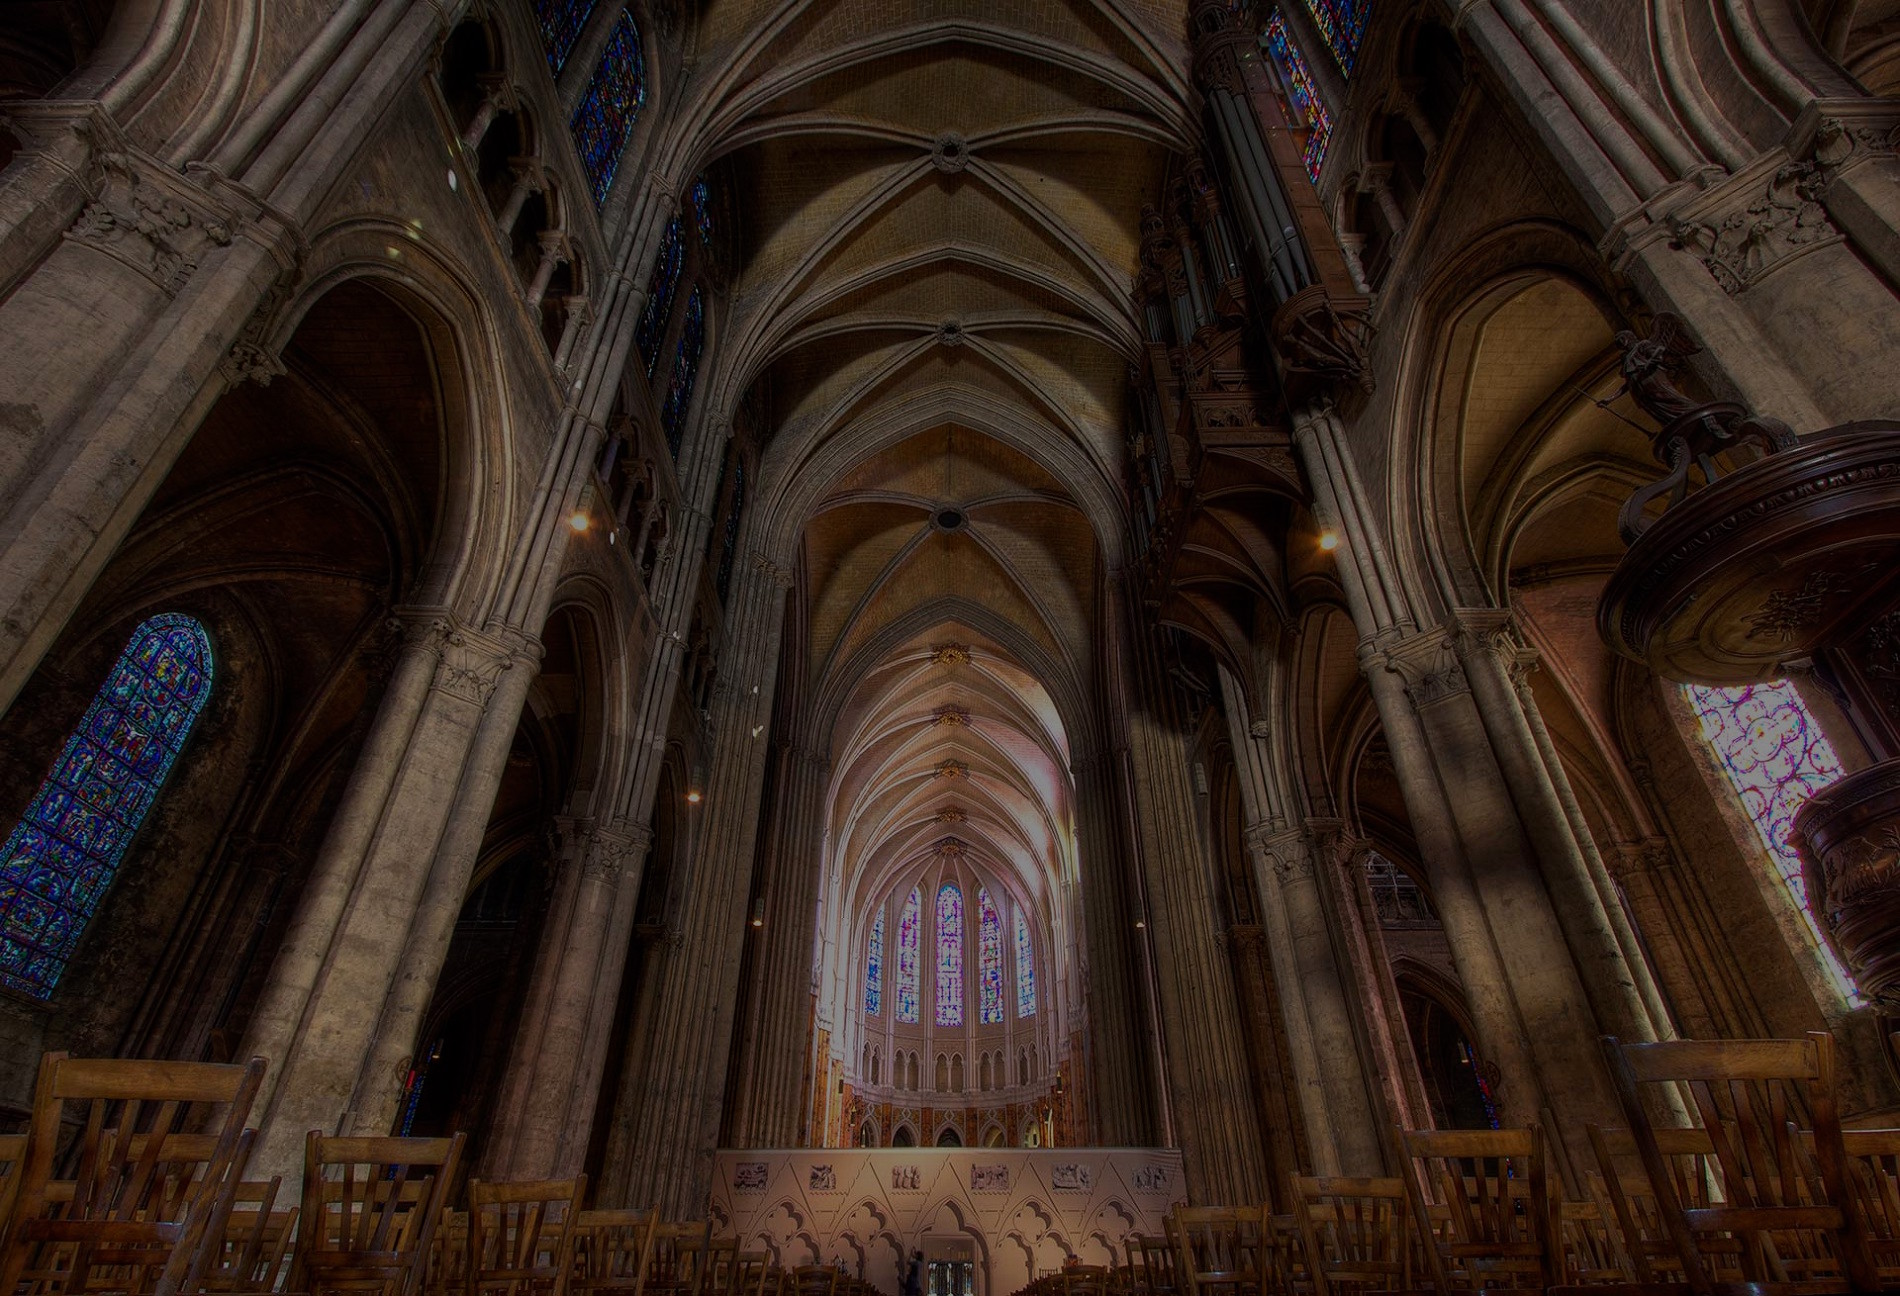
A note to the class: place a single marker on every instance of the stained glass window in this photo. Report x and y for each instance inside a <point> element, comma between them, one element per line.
<point>909,960</point>
<point>561,22</point>
<point>61,858</point>
<point>949,956</point>
<point>701,197</point>
<point>1342,25</point>
<point>661,285</point>
<point>989,960</point>
<point>726,555</point>
<point>679,388</point>
<point>1775,754</point>
<point>874,968</point>
<point>607,109</point>
<point>1025,969</point>
<point>1302,93</point>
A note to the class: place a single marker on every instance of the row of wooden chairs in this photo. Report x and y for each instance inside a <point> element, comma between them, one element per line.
<point>1763,1192</point>
<point>130,1179</point>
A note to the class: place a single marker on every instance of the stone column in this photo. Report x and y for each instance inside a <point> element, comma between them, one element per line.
<point>668,1113</point>
<point>1215,1118</point>
<point>769,1104</point>
<point>1492,658</point>
<point>317,1019</point>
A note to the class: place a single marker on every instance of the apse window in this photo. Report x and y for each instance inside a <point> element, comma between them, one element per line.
<point>1775,756</point>
<point>60,860</point>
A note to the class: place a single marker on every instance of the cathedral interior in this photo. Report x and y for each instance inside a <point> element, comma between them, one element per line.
<point>964,628</point>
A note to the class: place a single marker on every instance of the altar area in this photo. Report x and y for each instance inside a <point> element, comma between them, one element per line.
<point>1009,1213</point>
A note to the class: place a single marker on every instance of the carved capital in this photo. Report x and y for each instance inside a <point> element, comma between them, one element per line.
<point>151,219</point>
<point>779,576</point>
<point>1428,663</point>
<point>1632,859</point>
<point>1750,227</point>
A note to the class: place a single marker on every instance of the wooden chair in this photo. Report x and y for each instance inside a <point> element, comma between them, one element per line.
<point>722,1267</point>
<point>815,1280</point>
<point>1479,1198</point>
<point>161,1148</point>
<point>1790,1212</point>
<point>447,1271</point>
<point>610,1250</point>
<point>1587,1245</point>
<point>1218,1249</point>
<point>12,1159</point>
<point>676,1259</point>
<point>1157,1263</point>
<point>518,1240</point>
<point>1873,1166</point>
<point>370,1211</point>
<point>1356,1234</point>
<point>1646,1246</point>
<point>752,1271</point>
<point>253,1253</point>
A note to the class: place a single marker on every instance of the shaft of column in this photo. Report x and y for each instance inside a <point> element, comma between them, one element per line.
<point>379,1085</point>
<point>1479,639</point>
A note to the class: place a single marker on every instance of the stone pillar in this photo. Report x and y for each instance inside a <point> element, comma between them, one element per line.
<point>1215,1118</point>
<point>540,1132</point>
<point>1492,659</point>
<point>668,1114</point>
<point>769,1104</point>
<point>317,1020</point>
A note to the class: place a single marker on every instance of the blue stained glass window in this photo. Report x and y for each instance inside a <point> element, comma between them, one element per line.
<point>1025,969</point>
<point>1342,25</point>
<point>909,951</point>
<point>874,968</point>
<point>607,109</point>
<point>61,858</point>
<point>701,196</point>
<point>661,285</point>
<point>1302,92</point>
<point>561,22</point>
<point>679,388</point>
<point>949,956</point>
<point>989,960</point>
<point>1774,753</point>
<point>731,550</point>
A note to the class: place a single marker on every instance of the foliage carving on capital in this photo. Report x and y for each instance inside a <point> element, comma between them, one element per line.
<point>1429,665</point>
<point>1760,227</point>
<point>469,664</point>
<point>780,576</point>
<point>1635,858</point>
<point>144,220</point>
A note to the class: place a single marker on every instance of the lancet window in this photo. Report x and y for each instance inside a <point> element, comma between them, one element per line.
<point>874,968</point>
<point>650,334</point>
<point>561,22</point>
<point>909,957</point>
<point>59,861</point>
<point>700,198</point>
<point>949,956</point>
<point>608,107</point>
<point>1773,751</point>
<point>989,959</point>
<point>679,388</point>
<point>1025,969</point>
<point>1302,91</point>
<point>1342,25</point>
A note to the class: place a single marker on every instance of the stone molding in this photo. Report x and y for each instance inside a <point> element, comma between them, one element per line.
<point>469,662</point>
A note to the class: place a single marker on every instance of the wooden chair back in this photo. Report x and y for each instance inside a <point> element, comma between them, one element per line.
<point>519,1243</point>
<point>447,1272</point>
<point>815,1280</point>
<point>1356,1234</point>
<point>610,1250</point>
<point>371,1207</point>
<point>751,1271</point>
<point>1218,1249</point>
<point>1873,1175</point>
<point>1480,1198</point>
<point>1646,1245</point>
<point>253,1253</point>
<point>160,1150</point>
<point>1788,1212</point>
<point>1587,1243</point>
<point>677,1259</point>
<point>1157,1263</point>
<point>722,1267</point>
<point>12,1160</point>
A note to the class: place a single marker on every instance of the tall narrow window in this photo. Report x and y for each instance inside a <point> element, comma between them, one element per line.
<point>1025,969</point>
<point>1301,91</point>
<point>679,388</point>
<point>989,959</point>
<point>723,582</point>
<point>909,957</point>
<point>874,968</point>
<point>560,22</point>
<point>1776,756</point>
<point>949,956</point>
<point>662,284</point>
<point>700,195</point>
<point>59,861</point>
<point>613,99</point>
<point>1342,25</point>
